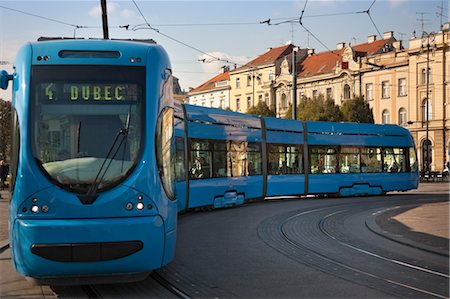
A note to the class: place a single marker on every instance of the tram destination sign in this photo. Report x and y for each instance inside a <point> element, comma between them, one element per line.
<point>87,92</point>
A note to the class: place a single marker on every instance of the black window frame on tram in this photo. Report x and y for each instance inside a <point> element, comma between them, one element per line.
<point>215,158</point>
<point>166,163</point>
<point>119,74</point>
<point>369,159</point>
<point>15,151</point>
<point>279,153</point>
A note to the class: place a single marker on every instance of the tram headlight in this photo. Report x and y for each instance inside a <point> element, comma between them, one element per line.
<point>34,209</point>
<point>140,206</point>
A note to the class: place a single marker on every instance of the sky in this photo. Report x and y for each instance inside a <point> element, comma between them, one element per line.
<point>196,33</point>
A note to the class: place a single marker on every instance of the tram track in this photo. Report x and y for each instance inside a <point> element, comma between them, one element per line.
<point>319,238</point>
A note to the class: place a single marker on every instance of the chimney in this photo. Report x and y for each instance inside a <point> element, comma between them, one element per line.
<point>226,68</point>
<point>397,45</point>
<point>371,38</point>
<point>446,27</point>
<point>311,52</point>
<point>388,35</point>
<point>340,45</point>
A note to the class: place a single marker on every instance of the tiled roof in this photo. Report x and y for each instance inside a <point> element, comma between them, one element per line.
<point>325,62</point>
<point>211,83</point>
<point>270,56</point>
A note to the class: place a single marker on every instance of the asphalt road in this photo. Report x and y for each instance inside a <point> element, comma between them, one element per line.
<point>304,248</point>
<point>296,248</point>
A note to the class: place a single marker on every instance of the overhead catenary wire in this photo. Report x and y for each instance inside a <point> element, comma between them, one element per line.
<point>75,26</point>
<point>148,26</point>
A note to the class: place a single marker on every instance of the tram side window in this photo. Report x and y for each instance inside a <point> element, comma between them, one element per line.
<point>254,165</point>
<point>394,159</point>
<point>285,159</point>
<point>200,160</point>
<point>180,170</point>
<point>237,154</point>
<point>323,159</point>
<point>219,158</point>
<point>371,160</point>
<point>349,159</point>
<point>412,160</point>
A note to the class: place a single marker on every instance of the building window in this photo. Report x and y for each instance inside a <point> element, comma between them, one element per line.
<point>221,103</point>
<point>385,90</point>
<point>238,104</point>
<point>211,104</point>
<point>346,92</point>
<point>260,98</point>
<point>249,102</point>
<point>402,87</point>
<point>266,98</point>
<point>238,82</point>
<point>424,76</point>
<point>385,117</point>
<point>271,77</point>
<point>315,93</point>
<point>369,91</point>
<point>283,102</point>
<point>402,116</point>
<point>249,80</point>
<point>329,93</point>
<point>426,116</point>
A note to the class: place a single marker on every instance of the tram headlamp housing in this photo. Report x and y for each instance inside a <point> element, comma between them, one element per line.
<point>34,208</point>
<point>140,206</point>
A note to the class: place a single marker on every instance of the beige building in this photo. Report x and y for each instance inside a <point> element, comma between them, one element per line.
<point>254,81</point>
<point>213,93</point>
<point>396,83</point>
<point>336,74</point>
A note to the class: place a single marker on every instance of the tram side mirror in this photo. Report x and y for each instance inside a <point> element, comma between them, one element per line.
<point>4,79</point>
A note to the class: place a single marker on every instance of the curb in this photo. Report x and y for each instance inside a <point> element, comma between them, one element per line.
<point>4,245</point>
<point>372,225</point>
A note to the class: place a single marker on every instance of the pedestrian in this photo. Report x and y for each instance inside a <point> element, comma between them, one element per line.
<point>3,174</point>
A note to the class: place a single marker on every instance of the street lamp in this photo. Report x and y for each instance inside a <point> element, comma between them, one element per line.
<point>427,42</point>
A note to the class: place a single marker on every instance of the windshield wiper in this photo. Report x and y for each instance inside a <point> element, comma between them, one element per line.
<point>91,194</point>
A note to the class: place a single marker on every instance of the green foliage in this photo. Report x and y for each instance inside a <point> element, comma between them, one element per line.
<point>316,109</point>
<point>5,128</point>
<point>357,110</point>
<point>261,109</point>
<point>321,109</point>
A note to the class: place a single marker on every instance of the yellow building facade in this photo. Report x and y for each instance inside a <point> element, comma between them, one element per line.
<point>396,84</point>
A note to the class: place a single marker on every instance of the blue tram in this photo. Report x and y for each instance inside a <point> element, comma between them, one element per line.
<point>92,176</point>
<point>225,158</point>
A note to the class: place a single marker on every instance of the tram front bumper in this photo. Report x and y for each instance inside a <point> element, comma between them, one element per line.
<point>87,247</point>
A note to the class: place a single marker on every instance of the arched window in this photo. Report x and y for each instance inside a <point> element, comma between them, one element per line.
<point>346,92</point>
<point>385,117</point>
<point>427,151</point>
<point>402,116</point>
<point>426,115</point>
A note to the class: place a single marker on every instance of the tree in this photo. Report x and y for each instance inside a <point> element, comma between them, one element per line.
<point>261,109</point>
<point>357,110</point>
<point>316,109</point>
<point>5,129</point>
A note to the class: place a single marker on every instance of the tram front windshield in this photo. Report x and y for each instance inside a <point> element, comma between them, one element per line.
<point>87,123</point>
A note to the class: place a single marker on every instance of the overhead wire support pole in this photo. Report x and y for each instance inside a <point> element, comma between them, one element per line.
<point>104,19</point>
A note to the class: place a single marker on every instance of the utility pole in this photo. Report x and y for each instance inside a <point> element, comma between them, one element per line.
<point>294,83</point>
<point>104,19</point>
<point>427,42</point>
